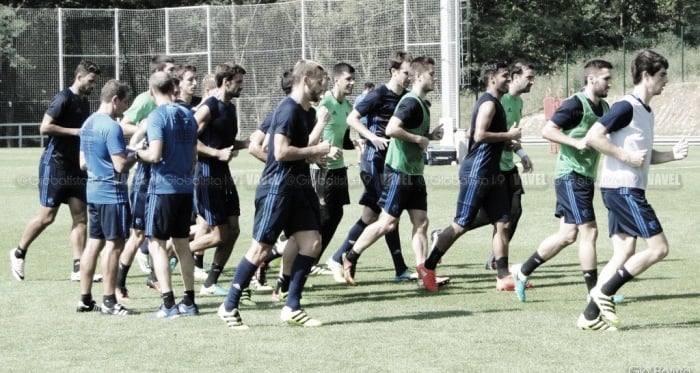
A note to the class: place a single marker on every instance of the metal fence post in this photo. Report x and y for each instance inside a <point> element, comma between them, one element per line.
<point>116,43</point>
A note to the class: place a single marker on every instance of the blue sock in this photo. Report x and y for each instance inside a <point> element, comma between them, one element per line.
<point>300,268</point>
<point>144,247</point>
<point>353,234</point>
<point>241,280</point>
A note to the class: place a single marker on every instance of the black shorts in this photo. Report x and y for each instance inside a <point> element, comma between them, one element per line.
<point>168,216</point>
<point>331,186</point>
<point>108,221</point>
<point>216,195</point>
<point>297,210</point>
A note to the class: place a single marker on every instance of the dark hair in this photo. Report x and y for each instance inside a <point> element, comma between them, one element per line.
<point>87,67</point>
<point>180,72</point>
<point>397,59</point>
<point>517,67</point>
<point>287,81</point>
<point>490,68</point>
<point>369,85</point>
<point>227,71</point>
<point>420,64</point>
<point>343,67</point>
<point>593,66</point>
<point>158,62</point>
<point>649,61</point>
<point>113,88</point>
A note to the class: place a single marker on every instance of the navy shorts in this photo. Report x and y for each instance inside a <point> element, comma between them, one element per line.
<point>108,221</point>
<point>139,200</point>
<point>403,192</point>
<point>630,213</point>
<point>475,193</point>
<point>216,194</point>
<point>574,198</point>
<point>138,196</point>
<point>514,190</point>
<point>57,183</point>
<point>168,216</point>
<point>297,210</point>
<point>331,186</point>
<point>374,180</point>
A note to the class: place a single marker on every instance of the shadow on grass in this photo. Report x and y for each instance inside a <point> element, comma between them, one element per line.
<point>429,315</point>
<point>673,325</point>
<point>663,297</point>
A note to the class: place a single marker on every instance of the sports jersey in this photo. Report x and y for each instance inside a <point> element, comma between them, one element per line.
<point>513,106</point>
<point>334,130</point>
<point>630,124</point>
<point>407,157</point>
<point>483,158</point>
<point>222,128</point>
<point>570,159</point>
<point>292,121</point>
<point>100,138</point>
<point>378,106</point>
<point>142,105</point>
<point>176,127</point>
<point>68,110</point>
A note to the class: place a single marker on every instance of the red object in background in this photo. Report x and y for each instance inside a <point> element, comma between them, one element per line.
<point>550,105</point>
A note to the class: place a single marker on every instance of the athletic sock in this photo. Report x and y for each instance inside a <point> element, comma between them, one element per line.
<point>353,234</point>
<point>121,275</point>
<point>272,255</point>
<point>352,256</point>
<point>502,267</point>
<point>86,298</point>
<point>76,265</point>
<point>109,300</point>
<point>188,298</point>
<point>213,276</point>
<point>241,280</point>
<point>198,260</point>
<point>592,311</point>
<point>300,268</point>
<point>20,253</point>
<point>433,259</point>
<point>168,299</point>
<point>531,264</point>
<point>144,247</point>
<point>282,285</point>
<point>620,278</point>
<point>591,278</point>
<point>393,242</point>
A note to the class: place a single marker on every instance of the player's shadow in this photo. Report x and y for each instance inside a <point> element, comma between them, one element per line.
<point>673,325</point>
<point>427,315</point>
<point>654,297</point>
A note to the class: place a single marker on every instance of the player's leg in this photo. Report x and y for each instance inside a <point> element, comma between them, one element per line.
<point>309,243</point>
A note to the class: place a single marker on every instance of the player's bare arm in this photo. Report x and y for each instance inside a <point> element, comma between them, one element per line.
<point>484,117</point>
<point>355,123</point>
<point>597,138</point>
<point>395,129</point>
<point>49,127</point>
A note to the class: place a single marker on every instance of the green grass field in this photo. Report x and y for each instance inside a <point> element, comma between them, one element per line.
<point>378,326</point>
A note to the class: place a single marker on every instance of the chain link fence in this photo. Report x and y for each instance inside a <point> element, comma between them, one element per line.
<point>264,39</point>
